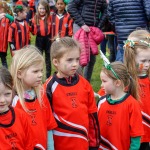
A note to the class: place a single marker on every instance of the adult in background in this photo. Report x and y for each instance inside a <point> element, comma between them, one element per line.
<point>85,14</point>
<point>127,16</point>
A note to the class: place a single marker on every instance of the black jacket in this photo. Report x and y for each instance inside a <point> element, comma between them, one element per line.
<point>128,15</point>
<point>88,12</point>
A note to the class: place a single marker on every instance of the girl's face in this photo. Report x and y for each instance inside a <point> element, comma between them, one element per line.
<point>22,15</point>
<point>68,64</point>
<point>31,77</point>
<point>60,5</point>
<point>41,10</point>
<point>5,97</point>
<point>143,60</point>
<point>107,83</point>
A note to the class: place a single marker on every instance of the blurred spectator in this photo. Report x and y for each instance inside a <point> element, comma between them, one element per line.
<point>126,16</point>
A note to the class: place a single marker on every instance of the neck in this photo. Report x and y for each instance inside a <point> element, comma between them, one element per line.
<point>117,95</point>
<point>60,12</point>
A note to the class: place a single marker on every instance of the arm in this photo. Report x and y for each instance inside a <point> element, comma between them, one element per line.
<point>70,27</point>
<point>74,12</point>
<point>110,12</point>
<point>135,143</point>
<point>50,141</point>
<point>94,132</point>
<point>103,17</point>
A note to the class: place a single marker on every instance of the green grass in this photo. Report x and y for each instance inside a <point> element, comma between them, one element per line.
<point>95,80</point>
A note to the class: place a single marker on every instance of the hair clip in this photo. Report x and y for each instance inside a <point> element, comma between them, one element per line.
<point>19,7</point>
<point>146,43</point>
<point>129,43</point>
<point>107,64</point>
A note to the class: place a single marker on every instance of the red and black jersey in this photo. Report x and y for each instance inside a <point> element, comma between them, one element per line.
<point>19,34</point>
<point>61,25</point>
<point>4,25</point>
<point>144,83</point>
<point>15,131</point>
<point>40,118</point>
<point>75,111</point>
<point>119,122</point>
<point>43,28</point>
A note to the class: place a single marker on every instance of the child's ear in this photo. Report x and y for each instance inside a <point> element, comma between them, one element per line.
<point>118,83</point>
<point>19,74</point>
<point>55,62</point>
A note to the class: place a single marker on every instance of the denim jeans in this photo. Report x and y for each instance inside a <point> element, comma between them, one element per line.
<point>120,53</point>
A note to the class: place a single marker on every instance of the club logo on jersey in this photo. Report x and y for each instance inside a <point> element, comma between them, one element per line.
<point>74,103</point>
<point>109,120</point>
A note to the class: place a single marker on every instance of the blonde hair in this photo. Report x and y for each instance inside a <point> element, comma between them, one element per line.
<point>62,45</point>
<point>129,84</point>
<point>130,52</point>
<point>22,60</point>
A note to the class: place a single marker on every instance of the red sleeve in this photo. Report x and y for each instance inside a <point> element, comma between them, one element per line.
<point>51,123</point>
<point>101,92</point>
<point>11,34</point>
<point>70,26</point>
<point>91,102</point>
<point>94,131</point>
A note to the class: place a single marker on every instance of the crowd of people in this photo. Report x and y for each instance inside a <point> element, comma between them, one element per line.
<point>61,113</point>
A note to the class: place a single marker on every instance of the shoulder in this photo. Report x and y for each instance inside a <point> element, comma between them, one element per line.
<point>101,101</point>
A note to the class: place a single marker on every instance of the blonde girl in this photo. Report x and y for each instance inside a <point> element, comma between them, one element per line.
<point>118,111</point>
<point>137,60</point>
<point>72,100</point>
<point>14,125</point>
<point>27,71</point>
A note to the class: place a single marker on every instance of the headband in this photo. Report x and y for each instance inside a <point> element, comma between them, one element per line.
<point>131,43</point>
<point>107,64</point>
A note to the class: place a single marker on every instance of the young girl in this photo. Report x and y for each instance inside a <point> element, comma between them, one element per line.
<point>72,100</point>
<point>19,34</point>
<point>14,126</point>
<point>137,60</point>
<point>41,26</point>
<point>27,71</point>
<point>4,25</point>
<point>119,111</point>
<point>62,24</point>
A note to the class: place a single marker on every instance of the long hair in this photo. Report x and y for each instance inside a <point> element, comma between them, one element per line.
<point>6,8</point>
<point>131,52</point>
<point>47,8</point>
<point>129,84</point>
<point>21,61</point>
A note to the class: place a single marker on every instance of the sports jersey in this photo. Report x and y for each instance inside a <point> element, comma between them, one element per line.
<point>41,120</point>
<point>62,25</point>
<point>15,131</point>
<point>119,122</point>
<point>144,83</point>
<point>75,111</point>
<point>19,35</point>
<point>41,29</point>
<point>4,25</point>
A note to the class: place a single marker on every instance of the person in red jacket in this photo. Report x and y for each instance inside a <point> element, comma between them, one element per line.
<point>62,23</point>
<point>137,59</point>
<point>15,130</point>
<point>19,34</point>
<point>119,112</point>
<point>27,70</point>
<point>4,25</point>
<point>41,27</point>
<point>72,100</point>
